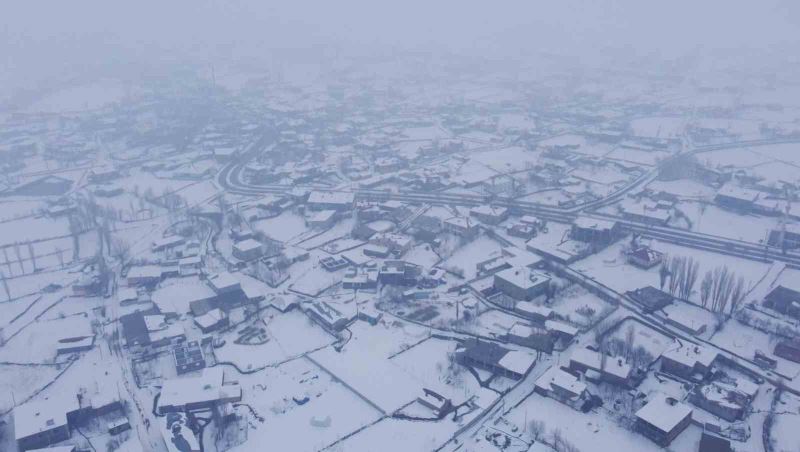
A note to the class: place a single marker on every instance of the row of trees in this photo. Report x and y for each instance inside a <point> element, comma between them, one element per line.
<point>720,289</point>
<point>679,274</point>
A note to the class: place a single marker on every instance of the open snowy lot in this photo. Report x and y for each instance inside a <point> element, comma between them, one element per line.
<point>331,412</point>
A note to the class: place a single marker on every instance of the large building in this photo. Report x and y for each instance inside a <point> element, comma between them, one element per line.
<point>609,369</point>
<point>324,200</point>
<point>594,230</point>
<point>788,349</point>
<point>248,250</point>
<point>43,422</point>
<point>489,214</point>
<point>521,283</point>
<point>784,300</point>
<point>663,418</point>
<point>692,362</point>
<point>501,361</point>
<point>735,197</point>
<point>201,392</point>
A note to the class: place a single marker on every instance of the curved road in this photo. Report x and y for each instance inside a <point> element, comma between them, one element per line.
<point>230,178</point>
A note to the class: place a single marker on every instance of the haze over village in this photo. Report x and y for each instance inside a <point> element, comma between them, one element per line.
<point>363,228</point>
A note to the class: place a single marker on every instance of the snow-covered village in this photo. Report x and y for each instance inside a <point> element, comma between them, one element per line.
<point>404,253</point>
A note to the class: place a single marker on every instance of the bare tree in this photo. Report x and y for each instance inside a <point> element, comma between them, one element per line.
<point>630,339</point>
<point>536,429</point>
<point>690,278</point>
<point>737,296</point>
<point>557,439</point>
<point>120,250</point>
<point>75,232</point>
<point>641,358</point>
<point>676,266</point>
<point>663,272</point>
<point>705,288</point>
<point>722,288</point>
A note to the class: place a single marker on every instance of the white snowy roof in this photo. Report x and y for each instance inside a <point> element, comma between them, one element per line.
<point>527,306</point>
<point>594,223</point>
<point>462,222</point>
<point>684,317</point>
<point>210,318</point>
<point>554,376</point>
<point>593,360</point>
<point>322,216</point>
<point>356,257</point>
<point>521,330</point>
<point>127,294</point>
<point>489,210</point>
<point>691,354</point>
<point>155,322</point>
<point>207,387</point>
<point>324,197</point>
<point>736,192</point>
<point>42,415</point>
<point>172,330</point>
<point>560,327</point>
<point>223,281</point>
<point>663,412</point>
<point>145,271</point>
<point>252,287</point>
<point>523,277</point>
<point>191,260</point>
<point>247,245</point>
<point>517,361</point>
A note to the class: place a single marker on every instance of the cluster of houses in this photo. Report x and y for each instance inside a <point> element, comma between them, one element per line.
<point>41,423</point>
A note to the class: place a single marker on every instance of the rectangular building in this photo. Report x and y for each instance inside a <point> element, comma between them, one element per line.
<point>521,283</point>
<point>662,419</point>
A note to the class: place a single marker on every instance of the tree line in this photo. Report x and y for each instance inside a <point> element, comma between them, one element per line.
<point>720,289</point>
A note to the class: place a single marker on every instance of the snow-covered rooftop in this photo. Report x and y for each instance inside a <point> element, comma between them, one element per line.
<point>42,415</point>
<point>663,412</point>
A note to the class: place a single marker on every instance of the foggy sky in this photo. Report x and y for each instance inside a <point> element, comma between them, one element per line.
<point>51,39</point>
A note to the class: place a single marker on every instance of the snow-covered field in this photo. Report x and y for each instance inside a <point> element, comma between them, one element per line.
<point>385,129</point>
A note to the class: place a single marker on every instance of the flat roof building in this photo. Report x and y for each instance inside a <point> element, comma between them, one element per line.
<point>663,418</point>
<point>521,283</point>
<point>43,422</point>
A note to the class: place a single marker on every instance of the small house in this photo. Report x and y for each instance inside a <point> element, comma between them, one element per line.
<point>645,257</point>
<point>650,298</point>
<point>561,385</point>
